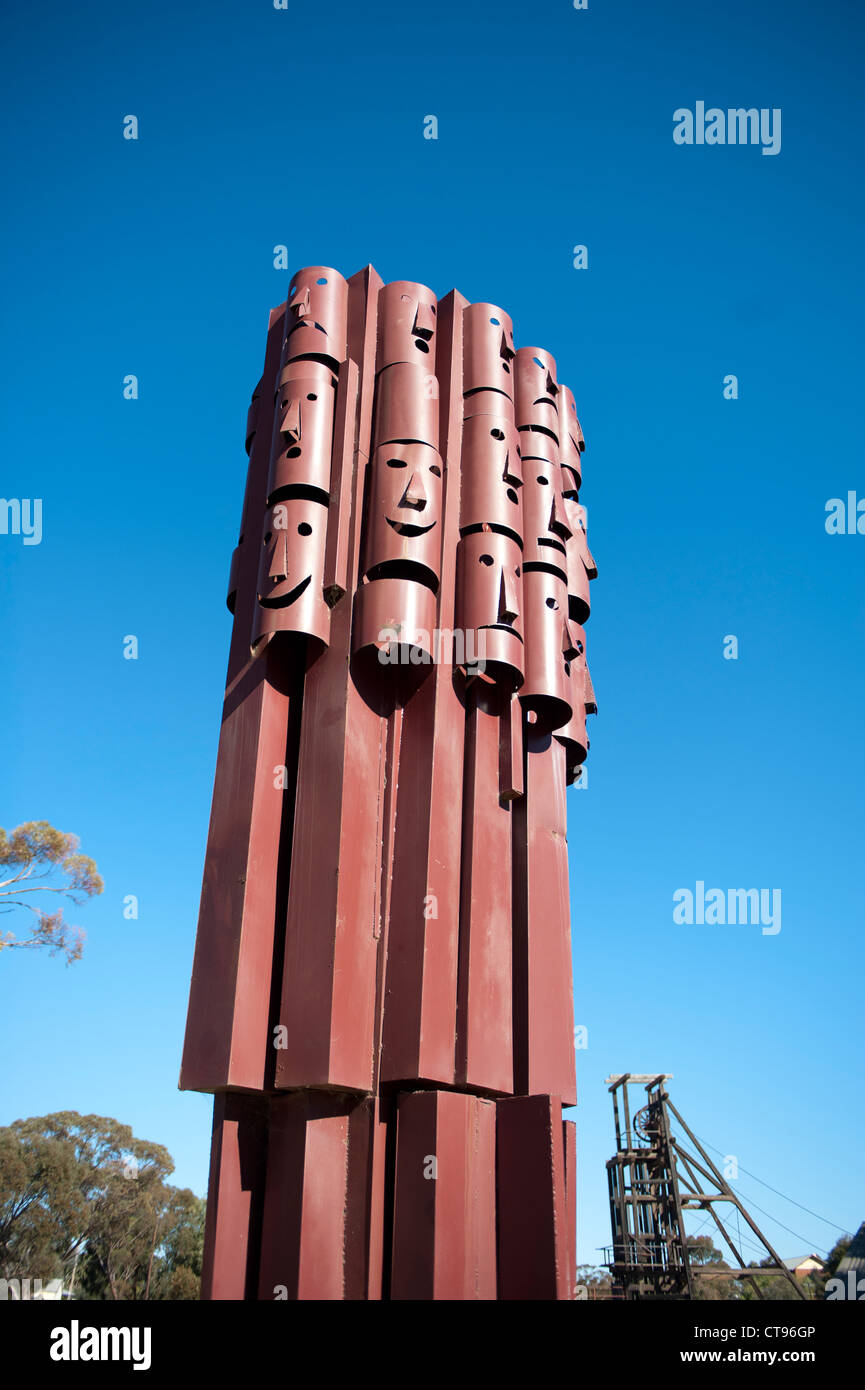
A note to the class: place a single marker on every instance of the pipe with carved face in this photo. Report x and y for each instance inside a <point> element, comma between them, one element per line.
<point>489,606</point>
<point>492,475</point>
<point>316,316</point>
<point>291,574</point>
<point>536,399</point>
<point>407,315</point>
<point>550,647</point>
<point>488,358</point>
<point>302,432</point>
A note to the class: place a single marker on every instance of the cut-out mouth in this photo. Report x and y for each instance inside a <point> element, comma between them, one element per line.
<point>554,545</point>
<point>500,627</point>
<point>405,528</point>
<point>308,323</point>
<point>545,400</point>
<point>286,599</point>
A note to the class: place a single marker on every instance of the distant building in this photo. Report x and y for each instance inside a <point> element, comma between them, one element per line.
<point>803,1265</point>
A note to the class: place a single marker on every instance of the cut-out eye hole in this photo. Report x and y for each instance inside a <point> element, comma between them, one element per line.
<point>434,468</point>
<point>293,289</point>
<point>312,396</point>
<point>512,495</point>
<point>551,603</point>
<point>293,452</point>
<point>496,322</point>
<point>542,479</point>
<point>322,280</point>
<point>304,529</point>
<point>497,434</point>
<point>432,310</point>
<point>579,648</point>
<point>421,345</point>
<point>506,368</point>
<point>485,559</point>
<point>538,363</point>
<point>396,463</point>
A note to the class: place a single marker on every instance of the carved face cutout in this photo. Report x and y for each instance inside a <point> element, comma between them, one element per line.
<point>545,522</point>
<point>578,518</point>
<point>233,580</point>
<point>569,420</point>
<point>581,566</point>
<point>569,433</point>
<point>582,698</point>
<point>550,648</point>
<point>302,434</point>
<point>571,480</point>
<point>252,417</point>
<point>291,570</point>
<point>405,510</point>
<point>316,315</point>
<point>488,350</point>
<point>489,604</point>
<point>492,474</point>
<point>537,391</point>
<point>407,323</point>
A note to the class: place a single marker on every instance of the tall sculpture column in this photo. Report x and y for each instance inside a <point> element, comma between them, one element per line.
<point>381,1000</point>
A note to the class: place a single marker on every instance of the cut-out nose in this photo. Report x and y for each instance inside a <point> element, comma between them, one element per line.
<point>557,523</point>
<point>424,321</point>
<point>509,608</point>
<point>569,650</point>
<point>278,569</point>
<point>513,468</point>
<point>507,347</point>
<point>290,424</point>
<point>415,495</point>
<point>300,304</point>
<point>552,388</point>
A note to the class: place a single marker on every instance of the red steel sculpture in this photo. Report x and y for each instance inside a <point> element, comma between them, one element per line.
<point>381,998</point>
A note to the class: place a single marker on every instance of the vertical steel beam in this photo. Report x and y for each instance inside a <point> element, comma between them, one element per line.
<point>235,1195</point>
<point>421,976</point>
<point>332,928</point>
<point>444,1227</point>
<point>544,1061</point>
<point>534,1250</point>
<point>485,1004</point>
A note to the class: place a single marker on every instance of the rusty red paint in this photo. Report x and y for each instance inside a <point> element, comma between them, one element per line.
<point>444,1226</point>
<point>534,1245</point>
<point>385,902</point>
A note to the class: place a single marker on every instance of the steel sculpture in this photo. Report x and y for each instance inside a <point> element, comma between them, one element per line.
<point>381,999</point>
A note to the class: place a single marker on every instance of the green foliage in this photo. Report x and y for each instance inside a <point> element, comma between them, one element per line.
<point>714,1288</point>
<point>37,846</point>
<point>83,1200</point>
<point>836,1255</point>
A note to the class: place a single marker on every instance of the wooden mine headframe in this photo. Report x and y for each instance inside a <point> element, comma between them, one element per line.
<point>653,1179</point>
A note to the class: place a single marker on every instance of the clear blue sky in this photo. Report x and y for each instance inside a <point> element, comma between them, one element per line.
<point>155,257</point>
